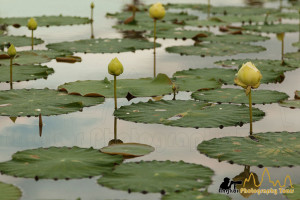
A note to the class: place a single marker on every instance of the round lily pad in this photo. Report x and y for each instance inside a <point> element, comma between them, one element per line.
<point>59,163</point>
<point>9,192</point>
<point>273,28</point>
<point>128,149</point>
<point>295,195</point>
<point>157,176</point>
<point>25,72</point>
<point>215,49</point>
<point>229,95</point>
<point>195,195</point>
<point>33,102</point>
<point>102,45</point>
<point>240,38</point>
<point>19,41</point>
<point>180,34</point>
<point>46,20</point>
<point>187,114</point>
<point>273,149</point>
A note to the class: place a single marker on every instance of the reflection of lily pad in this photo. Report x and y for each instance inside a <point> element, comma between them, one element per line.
<point>128,149</point>
<point>144,87</point>
<point>295,195</point>
<point>59,163</point>
<point>229,95</point>
<point>146,26</point>
<point>9,192</point>
<point>46,20</point>
<point>25,72</point>
<point>273,28</point>
<point>195,195</point>
<point>157,176</point>
<point>187,114</point>
<point>215,49</point>
<point>179,34</point>
<point>19,41</point>
<point>33,102</point>
<point>240,38</point>
<point>102,45</point>
<point>273,149</point>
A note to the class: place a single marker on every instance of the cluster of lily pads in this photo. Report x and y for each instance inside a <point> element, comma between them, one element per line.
<point>212,107</point>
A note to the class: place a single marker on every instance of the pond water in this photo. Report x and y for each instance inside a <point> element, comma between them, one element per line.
<point>94,125</point>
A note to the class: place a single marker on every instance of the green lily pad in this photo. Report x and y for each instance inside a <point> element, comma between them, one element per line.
<point>296,44</point>
<point>157,176</point>
<point>102,45</point>
<point>33,57</point>
<point>15,103</point>
<point>295,195</point>
<point>46,20</point>
<point>25,72</point>
<point>274,149</point>
<point>229,38</point>
<point>19,41</point>
<point>195,195</point>
<point>215,49</point>
<point>179,34</point>
<point>9,192</point>
<point>185,6</point>
<point>213,21</point>
<point>293,56</point>
<point>246,18</point>
<point>187,114</point>
<point>291,103</point>
<point>286,15</point>
<point>144,87</point>
<point>229,95</point>
<point>59,163</point>
<point>147,26</point>
<point>128,149</point>
<point>273,28</point>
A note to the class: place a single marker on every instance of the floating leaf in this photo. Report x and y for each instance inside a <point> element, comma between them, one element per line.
<point>295,195</point>
<point>59,163</point>
<point>273,28</point>
<point>240,38</point>
<point>246,18</point>
<point>9,192</point>
<point>229,95</point>
<point>195,195</point>
<point>293,56</point>
<point>46,20</point>
<point>187,114</point>
<point>157,176</point>
<point>25,72</point>
<point>128,149</point>
<point>291,103</point>
<point>180,34</point>
<point>214,21</point>
<point>15,103</point>
<point>274,149</point>
<point>19,41</point>
<point>102,45</point>
<point>215,49</point>
<point>146,26</point>
<point>285,15</point>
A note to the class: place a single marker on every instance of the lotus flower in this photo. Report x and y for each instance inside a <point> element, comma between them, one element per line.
<point>157,11</point>
<point>32,24</point>
<point>248,75</point>
<point>115,67</point>
<point>11,51</point>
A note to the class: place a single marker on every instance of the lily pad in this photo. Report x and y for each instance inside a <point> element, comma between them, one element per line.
<point>102,45</point>
<point>144,87</point>
<point>273,28</point>
<point>180,34</point>
<point>9,192</point>
<point>274,149</point>
<point>15,103</point>
<point>147,26</point>
<point>296,44</point>
<point>19,41</point>
<point>33,57</point>
<point>286,15</point>
<point>213,21</point>
<point>295,195</point>
<point>195,195</point>
<point>25,72</point>
<point>240,38</point>
<point>246,18</point>
<point>128,149</point>
<point>291,103</point>
<point>157,176</point>
<point>229,95</point>
<point>187,114</point>
<point>59,163</point>
<point>293,56</point>
<point>46,20</point>
<point>215,49</point>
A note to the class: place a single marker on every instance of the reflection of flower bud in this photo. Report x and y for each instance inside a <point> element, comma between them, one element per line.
<point>157,11</point>
<point>32,25</point>
<point>92,5</point>
<point>115,67</point>
<point>280,36</point>
<point>248,75</point>
<point>12,51</point>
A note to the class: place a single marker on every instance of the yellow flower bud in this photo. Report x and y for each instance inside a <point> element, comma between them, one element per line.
<point>248,75</point>
<point>32,24</point>
<point>280,36</point>
<point>12,51</point>
<point>92,5</point>
<point>157,11</point>
<point>115,67</point>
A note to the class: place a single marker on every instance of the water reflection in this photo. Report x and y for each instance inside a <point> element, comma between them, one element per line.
<point>92,29</point>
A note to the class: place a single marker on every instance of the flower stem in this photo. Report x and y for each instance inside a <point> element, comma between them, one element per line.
<point>299,24</point>
<point>280,5</point>
<point>92,14</point>
<point>154,46</point>
<point>11,75</point>
<point>32,40</point>
<point>282,51</point>
<point>250,109</point>
<point>40,124</point>
<point>115,129</point>
<point>115,91</point>
<point>208,9</point>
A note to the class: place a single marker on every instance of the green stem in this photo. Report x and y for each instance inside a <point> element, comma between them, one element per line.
<point>115,91</point>
<point>32,40</point>
<point>280,5</point>
<point>11,75</point>
<point>154,47</point>
<point>282,51</point>
<point>40,124</point>
<point>299,25</point>
<point>92,30</point>
<point>250,110</point>
<point>92,14</point>
<point>208,9</point>
<point>115,129</point>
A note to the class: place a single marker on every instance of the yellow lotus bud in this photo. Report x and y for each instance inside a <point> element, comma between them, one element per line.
<point>92,5</point>
<point>12,51</point>
<point>280,36</point>
<point>157,11</point>
<point>248,75</point>
<point>115,67</point>
<point>32,24</point>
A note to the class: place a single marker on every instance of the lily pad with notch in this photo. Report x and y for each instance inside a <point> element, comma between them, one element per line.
<point>195,195</point>
<point>19,41</point>
<point>128,150</point>
<point>9,191</point>
<point>273,149</point>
